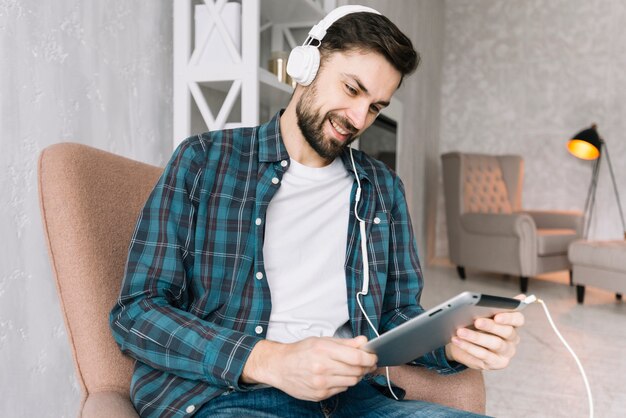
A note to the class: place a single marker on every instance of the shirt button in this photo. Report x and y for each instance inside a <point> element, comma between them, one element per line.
<point>275,180</point>
<point>258,221</point>
<point>284,163</point>
<point>259,275</point>
<point>258,329</point>
<point>377,220</point>
<point>190,409</point>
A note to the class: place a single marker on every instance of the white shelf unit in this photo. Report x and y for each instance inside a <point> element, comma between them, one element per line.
<point>236,84</point>
<point>219,84</point>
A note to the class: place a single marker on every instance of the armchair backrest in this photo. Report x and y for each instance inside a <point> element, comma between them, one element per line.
<point>479,183</point>
<point>90,200</point>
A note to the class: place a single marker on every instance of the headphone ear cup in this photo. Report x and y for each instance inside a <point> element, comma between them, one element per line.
<point>303,63</point>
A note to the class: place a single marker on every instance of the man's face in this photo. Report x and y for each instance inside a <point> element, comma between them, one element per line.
<point>347,94</point>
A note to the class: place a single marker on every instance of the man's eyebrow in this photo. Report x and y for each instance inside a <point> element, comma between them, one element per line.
<point>358,82</point>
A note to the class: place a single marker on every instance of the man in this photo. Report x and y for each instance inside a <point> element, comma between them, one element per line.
<point>244,292</point>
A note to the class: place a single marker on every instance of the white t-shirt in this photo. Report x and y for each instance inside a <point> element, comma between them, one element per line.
<point>305,252</point>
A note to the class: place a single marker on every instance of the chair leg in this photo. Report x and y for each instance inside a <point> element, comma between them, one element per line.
<point>571,278</point>
<point>523,284</point>
<point>461,271</point>
<point>618,296</point>
<point>580,293</point>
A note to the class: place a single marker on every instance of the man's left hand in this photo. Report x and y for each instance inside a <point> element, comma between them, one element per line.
<point>491,346</point>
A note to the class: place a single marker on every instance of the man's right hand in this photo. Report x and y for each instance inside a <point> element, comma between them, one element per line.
<point>312,369</point>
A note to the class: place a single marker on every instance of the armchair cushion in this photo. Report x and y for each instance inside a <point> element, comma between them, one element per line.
<point>607,255</point>
<point>515,224</point>
<point>550,241</point>
<point>554,241</point>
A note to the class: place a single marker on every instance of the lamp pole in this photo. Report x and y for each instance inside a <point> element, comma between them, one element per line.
<point>619,202</point>
<point>591,197</point>
<point>588,145</point>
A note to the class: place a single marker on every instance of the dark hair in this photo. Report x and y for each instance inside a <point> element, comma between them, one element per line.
<point>365,31</point>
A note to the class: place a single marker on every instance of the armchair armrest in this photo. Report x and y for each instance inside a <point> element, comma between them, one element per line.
<point>108,404</point>
<point>556,219</point>
<point>500,224</point>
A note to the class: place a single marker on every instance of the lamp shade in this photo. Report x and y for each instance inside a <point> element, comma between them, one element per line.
<point>585,144</point>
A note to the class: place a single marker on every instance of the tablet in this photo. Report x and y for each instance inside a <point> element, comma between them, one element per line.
<point>436,327</point>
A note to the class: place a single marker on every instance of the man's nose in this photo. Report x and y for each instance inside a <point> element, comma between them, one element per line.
<point>358,115</point>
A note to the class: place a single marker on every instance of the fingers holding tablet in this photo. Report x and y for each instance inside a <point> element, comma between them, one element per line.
<point>490,345</point>
<point>474,356</point>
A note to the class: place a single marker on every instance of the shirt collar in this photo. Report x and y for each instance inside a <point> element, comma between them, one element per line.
<point>358,158</point>
<point>272,148</point>
<point>271,145</point>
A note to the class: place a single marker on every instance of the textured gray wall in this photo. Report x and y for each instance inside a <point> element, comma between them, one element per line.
<point>524,76</point>
<point>96,72</point>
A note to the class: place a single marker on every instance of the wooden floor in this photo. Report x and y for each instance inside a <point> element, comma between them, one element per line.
<point>543,379</point>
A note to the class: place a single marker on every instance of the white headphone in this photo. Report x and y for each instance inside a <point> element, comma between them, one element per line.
<point>304,61</point>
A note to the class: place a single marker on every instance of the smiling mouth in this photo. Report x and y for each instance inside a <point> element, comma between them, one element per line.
<point>342,131</point>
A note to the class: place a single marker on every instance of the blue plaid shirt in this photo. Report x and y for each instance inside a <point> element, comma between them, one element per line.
<point>192,305</point>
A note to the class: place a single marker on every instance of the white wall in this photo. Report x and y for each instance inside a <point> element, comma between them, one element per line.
<point>524,76</point>
<point>96,72</point>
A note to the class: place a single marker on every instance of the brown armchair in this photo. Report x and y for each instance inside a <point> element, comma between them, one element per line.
<point>90,200</point>
<point>487,228</point>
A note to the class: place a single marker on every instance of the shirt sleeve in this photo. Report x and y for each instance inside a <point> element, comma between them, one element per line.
<point>150,321</point>
<point>405,282</point>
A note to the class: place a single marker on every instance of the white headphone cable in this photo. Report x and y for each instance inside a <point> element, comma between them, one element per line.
<point>357,199</point>
<point>378,335</point>
<point>578,363</point>
<point>366,270</point>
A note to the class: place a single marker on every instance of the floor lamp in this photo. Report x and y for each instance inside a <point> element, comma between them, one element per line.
<point>588,145</point>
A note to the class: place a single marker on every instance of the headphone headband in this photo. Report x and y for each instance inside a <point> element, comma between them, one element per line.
<point>304,61</point>
<point>319,31</point>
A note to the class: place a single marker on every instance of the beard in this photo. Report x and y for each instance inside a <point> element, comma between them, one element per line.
<point>311,124</point>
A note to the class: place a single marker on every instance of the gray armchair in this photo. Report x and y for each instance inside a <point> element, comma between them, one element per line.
<point>487,228</point>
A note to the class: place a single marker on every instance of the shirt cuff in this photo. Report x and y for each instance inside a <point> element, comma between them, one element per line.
<point>226,365</point>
